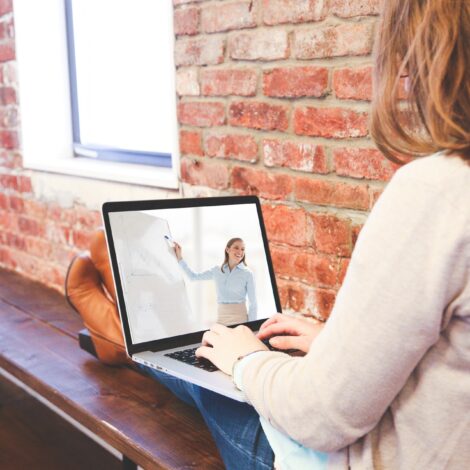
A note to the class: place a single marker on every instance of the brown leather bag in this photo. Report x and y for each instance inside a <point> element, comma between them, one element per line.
<point>89,288</point>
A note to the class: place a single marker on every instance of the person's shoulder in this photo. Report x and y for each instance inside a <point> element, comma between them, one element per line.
<point>244,268</point>
<point>436,169</point>
<point>440,175</point>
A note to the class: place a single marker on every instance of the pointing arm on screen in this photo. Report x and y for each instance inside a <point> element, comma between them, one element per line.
<point>202,276</point>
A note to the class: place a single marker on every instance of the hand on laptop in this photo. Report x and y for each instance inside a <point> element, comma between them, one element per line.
<point>287,332</point>
<point>223,345</point>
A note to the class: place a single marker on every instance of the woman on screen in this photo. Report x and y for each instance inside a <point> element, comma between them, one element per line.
<point>234,282</point>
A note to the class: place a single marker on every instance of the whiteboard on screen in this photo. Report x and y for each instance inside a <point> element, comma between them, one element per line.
<point>155,294</point>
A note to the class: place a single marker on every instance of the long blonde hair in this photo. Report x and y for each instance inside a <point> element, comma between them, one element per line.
<point>429,41</point>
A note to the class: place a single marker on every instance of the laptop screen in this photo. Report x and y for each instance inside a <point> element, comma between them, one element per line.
<point>184,265</point>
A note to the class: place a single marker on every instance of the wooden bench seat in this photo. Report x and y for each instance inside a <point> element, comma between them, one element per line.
<point>131,412</point>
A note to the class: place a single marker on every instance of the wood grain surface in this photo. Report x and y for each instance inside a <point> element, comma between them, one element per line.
<point>133,413</point>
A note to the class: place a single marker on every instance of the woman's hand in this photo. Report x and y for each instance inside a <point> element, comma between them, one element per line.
<point>228,344</point>
<point>296,333</point>
<point>178,251</point>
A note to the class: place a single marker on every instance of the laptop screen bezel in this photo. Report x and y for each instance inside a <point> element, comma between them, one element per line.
<point>130,206</point>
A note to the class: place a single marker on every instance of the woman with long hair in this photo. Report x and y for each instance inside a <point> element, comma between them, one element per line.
<point>385,384</point>
<point>234,283</point>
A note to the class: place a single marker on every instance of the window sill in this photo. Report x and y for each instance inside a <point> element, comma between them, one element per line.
<point>142,175</point>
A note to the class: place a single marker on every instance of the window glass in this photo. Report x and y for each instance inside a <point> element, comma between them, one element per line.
<point>122,79</point>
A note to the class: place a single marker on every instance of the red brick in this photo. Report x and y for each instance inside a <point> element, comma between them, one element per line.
<point>326,270</point>
<point>7,30</point>
<point>201,114</point>
<point>10,160</point>
<point>24,184</point>
<point>219,82</point>
<point>347,39</point>
<point>199,51</point>
<point>57,213</point>
<point>38,247</point>
<point>4,202</point>
<point>7,259</point>
<point>350,8</point>
<point>8,117</point>
<point>259,45</point>
<point>363,163</point>
<point>355,231</point>
<point>8,139</point>
<point>292,295</point>
<point>336,123</point>
<point>7,96</point>
<point>296,155</point>
<point>81,239</point>
<point>15,241</point>
<point>199,173</point>
<point>227,16</point>
<point>325,301</point>
<point>309,267</point>
<point>17,204</point>
<point>259,115</point>
<point>9,221</point>
<point>295,82</point>
<point>264,184</point>
<point>344,264</point>
<point>186,21</point>
<point>293,11</point>
<point>9,74</point>
<point>30,226</point>
<point>7,51</point>
<point>187,83</point>
<point>332,193</point>
<point>375,193</point>
<point>287,225</point>
<point>52,276</point>
<point>353,84</point>
<point>58,233</point>
<point>332,235</point>
<point>62,255</point>
<point>88,219</point>
<point>9,182</point>
<point>238,147</point>
<point>191,143</point>
<point>35,208</point>
<point>6,6</point>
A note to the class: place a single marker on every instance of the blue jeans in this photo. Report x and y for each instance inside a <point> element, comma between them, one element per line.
<point>234,426</point>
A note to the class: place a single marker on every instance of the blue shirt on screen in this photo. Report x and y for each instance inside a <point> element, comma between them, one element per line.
<point>232,286</point>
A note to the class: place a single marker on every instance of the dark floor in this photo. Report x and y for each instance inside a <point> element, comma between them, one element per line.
<point>32,437</point>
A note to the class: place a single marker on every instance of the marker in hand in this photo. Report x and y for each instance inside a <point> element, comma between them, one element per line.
<point>169,239</point>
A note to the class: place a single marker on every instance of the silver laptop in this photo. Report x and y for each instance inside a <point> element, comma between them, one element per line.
<point>165,304</point>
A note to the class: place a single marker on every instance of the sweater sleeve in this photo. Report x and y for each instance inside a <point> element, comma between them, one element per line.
<point>202,276</point>
<point>405,269</point>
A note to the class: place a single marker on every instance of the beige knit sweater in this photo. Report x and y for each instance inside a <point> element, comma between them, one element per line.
<point>386,385</point>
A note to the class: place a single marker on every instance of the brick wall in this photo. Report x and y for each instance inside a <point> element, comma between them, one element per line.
<point>273,100</point>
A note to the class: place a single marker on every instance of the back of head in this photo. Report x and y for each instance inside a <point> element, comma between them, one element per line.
<point>429,42</point>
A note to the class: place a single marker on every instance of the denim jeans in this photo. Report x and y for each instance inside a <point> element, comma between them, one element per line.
<point>234,426</point>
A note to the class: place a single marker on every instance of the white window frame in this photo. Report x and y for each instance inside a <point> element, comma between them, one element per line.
<point>46,123</point>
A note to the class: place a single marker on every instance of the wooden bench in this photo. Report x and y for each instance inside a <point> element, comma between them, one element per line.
<point>135,415</point>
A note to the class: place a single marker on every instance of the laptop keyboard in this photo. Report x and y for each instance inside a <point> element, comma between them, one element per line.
<point>188,356</point>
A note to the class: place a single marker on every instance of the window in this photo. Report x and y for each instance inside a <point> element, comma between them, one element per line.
<point>121,70</point>
<point>121,105</point>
